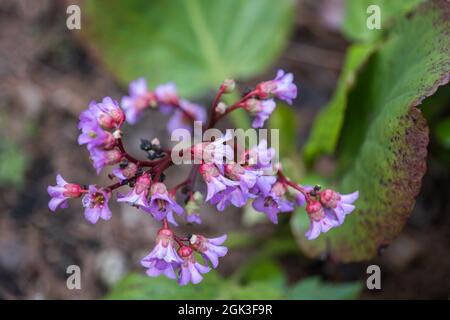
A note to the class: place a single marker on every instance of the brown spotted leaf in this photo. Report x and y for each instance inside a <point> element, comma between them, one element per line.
<point>383,145</point>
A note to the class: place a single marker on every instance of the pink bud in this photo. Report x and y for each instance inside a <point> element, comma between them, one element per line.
<point>315,210</point>
<point>118,116</point>
<point>105,121</point>
<point>329,198</point>
<point>185,252</point>
<point>143,183</point>
<point>73,190</point>
<point>113,156</point>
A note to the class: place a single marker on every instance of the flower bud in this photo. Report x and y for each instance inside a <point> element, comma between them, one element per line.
<point>118,116</point>
<point>329,198</point>
<point>112,157</point>
<point>185,252</point>
<point>315,210</point>
<point>221,107</point>
<point>228,85</point>
<point>73,190</point>
<point>105,121</point>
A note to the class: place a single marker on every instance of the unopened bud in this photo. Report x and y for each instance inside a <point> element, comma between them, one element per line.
<point>315,210</point>
<point>221,108</point>
<point>228,85</point>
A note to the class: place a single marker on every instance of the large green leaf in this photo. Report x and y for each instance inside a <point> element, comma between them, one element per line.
<point>327,127</point>
<point>284,120</point>
<point>384,138</point>
<point>140,287</point>
<point>315,289</point>
<point>195,43</point>
<point>356,15</point>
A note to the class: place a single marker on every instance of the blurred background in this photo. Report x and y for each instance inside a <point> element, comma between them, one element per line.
<point>48,74</point>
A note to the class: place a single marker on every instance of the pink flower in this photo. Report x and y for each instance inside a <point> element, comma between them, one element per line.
<point>61,192</point>
<point>281,87</point>
<point>190,269</point>
<point>210,248</point>
<point>138,195</point>
<point>161,204</point>
<point>163,259</point>
<point>95,203</point>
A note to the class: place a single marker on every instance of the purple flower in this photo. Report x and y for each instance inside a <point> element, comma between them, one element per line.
<point>320,220</point>
<point>161,204</point>
<point>163,259</point>
<point>101,158</point>
<point>260,157</point>
<point>180,120</point>
<point>215,181</point>
<point>94,136</point>
<point>246,177</point>
<point>138,195</point>
<point>124,172</point>
<point>61,192</point>
<point>340,204</point>
<point>166,94</point>
<point>209,248</point>
<point>190,269</point>
<point>263,184</point>
<point>281,87</point>
<point>261,109</point>
<point>95,203</point>
<point>107,113</point>
<point>217,151</point>
<point>231,195</point>
<point>193,218</point>
<point>273,203</point>
<point>139,99</point>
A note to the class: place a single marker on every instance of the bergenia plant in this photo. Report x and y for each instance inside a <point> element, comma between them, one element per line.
<point>231,176</point>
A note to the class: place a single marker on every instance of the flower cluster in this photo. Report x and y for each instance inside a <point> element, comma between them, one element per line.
<point>231,177</point>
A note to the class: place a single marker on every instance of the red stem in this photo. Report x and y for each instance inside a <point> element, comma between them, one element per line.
<point>283,179</point>
<point>230,109</point>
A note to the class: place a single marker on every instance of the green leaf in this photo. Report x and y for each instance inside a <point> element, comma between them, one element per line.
<point>356,15</point>
<point>13,164</point>
<point>443,132</point>
<point>327,127</point>
<point>315,289</point>
<point>284,119</point>
<point>140,287</point>
<point>267,271</point>
<point>383,144</point>
<point>196,43</point>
